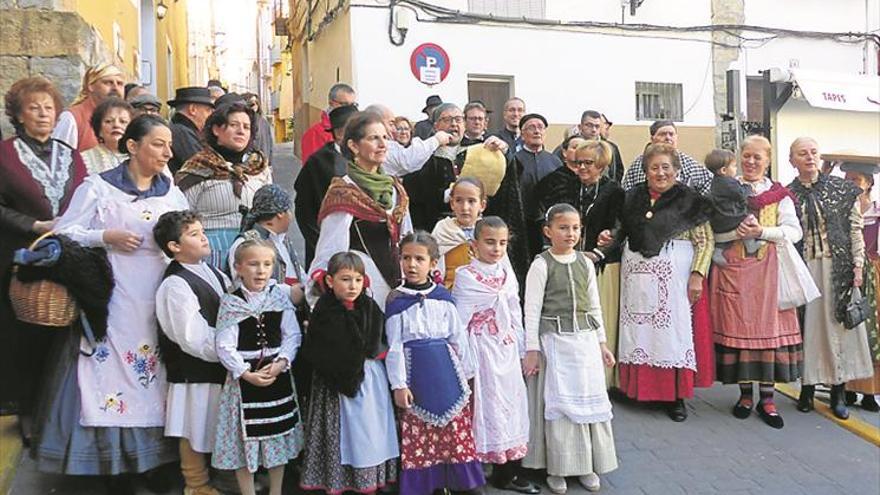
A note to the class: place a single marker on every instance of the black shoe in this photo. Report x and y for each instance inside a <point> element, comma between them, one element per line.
<point>851,398</point>
<point>121,484</point>
<point>740,411</point>
<point>869,403</point>
<point>805,400</point>
<point>838,404</point>
<point>676,411</point>
<point>773,420</point>
<point>521,485</point>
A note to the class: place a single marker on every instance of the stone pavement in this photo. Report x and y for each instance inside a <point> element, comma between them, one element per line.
<point>710,453</point>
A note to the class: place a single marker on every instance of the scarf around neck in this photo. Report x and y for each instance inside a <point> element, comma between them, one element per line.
<point>649,227</point>
<point>378,185</point>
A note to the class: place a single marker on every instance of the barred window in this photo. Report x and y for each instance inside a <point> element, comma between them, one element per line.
<point>656,101</point>
<point>533,9</point>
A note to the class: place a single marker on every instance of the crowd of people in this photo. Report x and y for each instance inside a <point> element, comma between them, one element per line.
<point>467,304</point>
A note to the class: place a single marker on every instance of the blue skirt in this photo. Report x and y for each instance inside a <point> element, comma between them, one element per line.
<point>220,240</point>
<point>62,446</point>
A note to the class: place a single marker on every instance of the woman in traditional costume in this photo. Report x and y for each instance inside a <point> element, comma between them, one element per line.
<point>755,341</point>
<point>665,259</point>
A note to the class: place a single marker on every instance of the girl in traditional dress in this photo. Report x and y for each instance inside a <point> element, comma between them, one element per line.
<point>351,438</point>
<point>429,362</point>
<point>257,338</point>
<point>454,234</point>
<point>570,433</point>
<point>487,296</point>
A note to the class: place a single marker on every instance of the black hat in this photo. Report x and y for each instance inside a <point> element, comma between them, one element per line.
<point>530,116</point>
<point>144,100</point>
<point>862,168</point>
<point>339,116</point>
<point>432,101</point>
<point>229,98</point>
<point>191,94</point>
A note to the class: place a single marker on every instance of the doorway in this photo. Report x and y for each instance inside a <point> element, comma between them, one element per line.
<point>493,91</point>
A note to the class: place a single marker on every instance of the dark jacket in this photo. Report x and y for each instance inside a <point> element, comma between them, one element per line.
<point>531,168</point>
<point>730,199</point>
<point>514,142</point>
<point>186,141</point>
<point>311,184</point>
<point>423,129</point>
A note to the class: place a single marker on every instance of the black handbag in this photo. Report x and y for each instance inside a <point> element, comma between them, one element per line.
<point>856,309</point>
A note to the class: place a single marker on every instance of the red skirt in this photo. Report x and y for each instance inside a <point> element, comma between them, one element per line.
<point>646,383</point>
<point>423,445</point>
<point>704,348</point>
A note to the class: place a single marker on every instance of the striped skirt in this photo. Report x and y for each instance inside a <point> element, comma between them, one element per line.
<point>780,365</point>
<point>220,240</point>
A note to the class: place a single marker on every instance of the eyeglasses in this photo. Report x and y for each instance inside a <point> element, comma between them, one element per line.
<point>582,163</point>
<point>458,120</point>
<point>476,118</point>
<point>534,128</point>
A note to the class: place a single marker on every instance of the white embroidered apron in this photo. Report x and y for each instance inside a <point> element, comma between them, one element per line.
<point>123,382</point>
<point>655,314</point>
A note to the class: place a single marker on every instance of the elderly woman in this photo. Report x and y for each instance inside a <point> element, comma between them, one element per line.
<point>834,249</point>
<point>755,341</point>
<point>665,259</point>
<point>39,177</point>
<point>583,184</point>
<point>404,130</point>
<point>106,407</point>
<point>862,175</point>
<point>224,176</point>
<point>109,121</point>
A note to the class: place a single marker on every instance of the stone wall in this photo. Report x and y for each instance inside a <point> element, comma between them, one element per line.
<point>41,38</point>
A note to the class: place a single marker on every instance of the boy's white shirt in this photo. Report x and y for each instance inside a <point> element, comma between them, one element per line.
<point>177,309</point>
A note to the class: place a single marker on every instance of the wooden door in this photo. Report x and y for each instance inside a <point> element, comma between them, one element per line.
<point>493,92</point>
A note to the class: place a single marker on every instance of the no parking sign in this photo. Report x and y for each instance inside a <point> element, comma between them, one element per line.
<point>429,63</point>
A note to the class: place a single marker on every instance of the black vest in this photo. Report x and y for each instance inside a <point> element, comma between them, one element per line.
<point>272,410</point>
<point>374,240</point>
<point>183,367</point>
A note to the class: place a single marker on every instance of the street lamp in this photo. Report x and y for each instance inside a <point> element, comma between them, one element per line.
<point>161,10</point>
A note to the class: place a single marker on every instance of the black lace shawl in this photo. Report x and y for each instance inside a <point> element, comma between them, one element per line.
<point>339,340</point>
<point>832,198</point>
<point>677,210</point>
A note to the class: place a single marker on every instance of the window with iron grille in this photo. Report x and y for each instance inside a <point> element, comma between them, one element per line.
<point>657,101</point>
<point>533,9</point>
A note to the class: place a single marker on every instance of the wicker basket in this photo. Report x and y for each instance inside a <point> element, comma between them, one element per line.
<point>41,302</point>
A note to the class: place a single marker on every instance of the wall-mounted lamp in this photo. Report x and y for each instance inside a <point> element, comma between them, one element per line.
<point>161,10</point>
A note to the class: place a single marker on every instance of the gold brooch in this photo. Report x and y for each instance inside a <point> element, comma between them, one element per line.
<point>146,215</point>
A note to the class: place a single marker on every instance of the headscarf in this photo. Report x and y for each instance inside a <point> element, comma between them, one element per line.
<point>93,75</point>
<point>269,200</point>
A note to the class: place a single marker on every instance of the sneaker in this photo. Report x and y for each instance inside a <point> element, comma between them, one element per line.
<point>590,482</point>
<point>557,484</point>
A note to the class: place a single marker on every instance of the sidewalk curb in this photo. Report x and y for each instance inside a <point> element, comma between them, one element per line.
<point>10,452</point>
<point>860,428</point>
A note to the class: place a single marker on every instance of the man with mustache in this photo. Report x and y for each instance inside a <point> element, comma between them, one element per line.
<point>99,83</point>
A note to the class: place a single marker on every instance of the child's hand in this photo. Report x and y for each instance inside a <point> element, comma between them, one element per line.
<point>607,356</point>
<point>531,362</point>
<point>403,398</point>
<point>258,378</point>
<point>275,368</point>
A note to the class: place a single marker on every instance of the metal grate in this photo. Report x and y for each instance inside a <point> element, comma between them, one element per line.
<point>656,101</point>
<point>533,9</point>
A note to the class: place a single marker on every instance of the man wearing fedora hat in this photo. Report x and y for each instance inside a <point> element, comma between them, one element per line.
<point>192,106</point>
<point>425,128</point>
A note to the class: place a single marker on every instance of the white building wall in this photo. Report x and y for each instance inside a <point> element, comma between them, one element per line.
<point>559,73</point>
<point>810,15</point>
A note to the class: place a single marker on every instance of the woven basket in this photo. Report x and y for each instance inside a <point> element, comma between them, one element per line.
<point>41,302</point>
